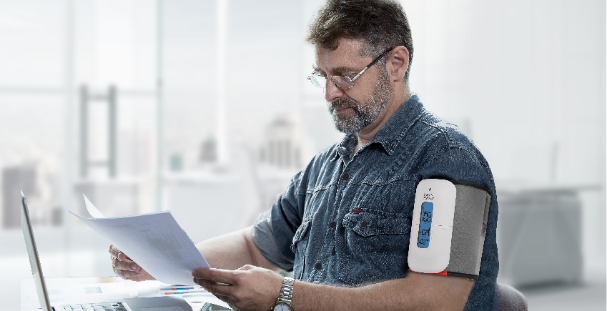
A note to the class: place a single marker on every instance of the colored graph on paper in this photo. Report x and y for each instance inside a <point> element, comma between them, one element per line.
<point>184,291</point>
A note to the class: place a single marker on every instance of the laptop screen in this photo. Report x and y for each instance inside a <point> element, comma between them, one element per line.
<point>32,252</point>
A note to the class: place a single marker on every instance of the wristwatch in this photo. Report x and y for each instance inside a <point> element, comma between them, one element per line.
<point>283,303</point>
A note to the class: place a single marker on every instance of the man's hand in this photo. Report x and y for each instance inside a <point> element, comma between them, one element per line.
<point>248,288</point>
<point>127,269</point>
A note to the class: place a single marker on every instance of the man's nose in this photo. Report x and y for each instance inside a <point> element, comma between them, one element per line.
<point>332,92</point>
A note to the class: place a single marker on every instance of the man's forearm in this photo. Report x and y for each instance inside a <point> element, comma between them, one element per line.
<point>232,251</point>
<point>415,292</point>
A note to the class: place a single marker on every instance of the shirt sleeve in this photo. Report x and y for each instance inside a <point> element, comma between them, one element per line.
<point>274,229</point>
<point>464,162</point>
<point>265,241</point>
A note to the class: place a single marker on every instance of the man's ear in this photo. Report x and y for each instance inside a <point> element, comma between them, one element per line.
<point>398,63</point>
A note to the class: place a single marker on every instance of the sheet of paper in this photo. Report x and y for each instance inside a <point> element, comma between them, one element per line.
<point>154,241</point>
<point>195,295</point>
<point>93,211</point>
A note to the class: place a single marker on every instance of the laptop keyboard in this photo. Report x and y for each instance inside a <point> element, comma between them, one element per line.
<point>115,306</point>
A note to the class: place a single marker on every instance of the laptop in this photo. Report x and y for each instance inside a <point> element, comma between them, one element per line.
<point>126,304</point>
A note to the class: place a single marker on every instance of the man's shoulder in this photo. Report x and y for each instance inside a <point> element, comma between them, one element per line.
<point>449,131</point>
<point>451,136</point>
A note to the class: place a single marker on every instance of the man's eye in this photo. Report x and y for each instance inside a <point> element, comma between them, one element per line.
<point>348,75</point>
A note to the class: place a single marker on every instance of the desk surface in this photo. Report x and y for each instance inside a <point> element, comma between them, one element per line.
<point>99,289</point>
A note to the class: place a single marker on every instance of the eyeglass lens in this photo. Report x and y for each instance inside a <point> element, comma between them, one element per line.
<point>341,82</point>
<point>317,81</point>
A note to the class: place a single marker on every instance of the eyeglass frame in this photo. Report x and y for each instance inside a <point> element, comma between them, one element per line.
<point>312,77</point>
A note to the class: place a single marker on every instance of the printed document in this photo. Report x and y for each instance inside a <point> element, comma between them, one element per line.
<point>154,241</point>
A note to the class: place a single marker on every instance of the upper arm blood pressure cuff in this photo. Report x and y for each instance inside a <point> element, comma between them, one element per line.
<point>448,228</point>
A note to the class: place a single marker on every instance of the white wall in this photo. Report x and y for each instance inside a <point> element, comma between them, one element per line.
<point>526,79</point>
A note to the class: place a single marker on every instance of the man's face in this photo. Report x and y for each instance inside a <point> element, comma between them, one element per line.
<point>355,108</point>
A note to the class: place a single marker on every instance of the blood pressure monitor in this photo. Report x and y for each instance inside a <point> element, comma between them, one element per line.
<point>448,228</point>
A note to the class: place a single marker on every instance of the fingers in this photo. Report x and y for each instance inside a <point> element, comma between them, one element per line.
<point>128,275</point>
<point>127,270</point>
<point>220,290</point>
<point>126,265</point>
<point>123,266</point>
<point>250,288</point>
<point>246,267</point>
<point>216,281</point>
<point>215,275</point>
<point>123,257</point>
<point>116,253</point>
<point>113,250</point>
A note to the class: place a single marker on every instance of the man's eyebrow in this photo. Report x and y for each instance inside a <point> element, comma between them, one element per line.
<point>343,70</point>
<point>337,71</point>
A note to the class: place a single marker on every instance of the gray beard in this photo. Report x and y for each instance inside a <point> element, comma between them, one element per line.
<point>363,114</point>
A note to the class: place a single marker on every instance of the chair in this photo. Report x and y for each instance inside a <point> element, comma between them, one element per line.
<point>509,299</point>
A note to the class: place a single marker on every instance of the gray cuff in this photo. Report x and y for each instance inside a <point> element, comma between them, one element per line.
<point>266,242</point>
<point>469,228</point>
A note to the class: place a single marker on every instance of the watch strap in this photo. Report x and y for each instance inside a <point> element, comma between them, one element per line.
<point>286,292</point>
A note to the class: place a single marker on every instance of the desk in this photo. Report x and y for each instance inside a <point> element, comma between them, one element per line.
<point>98,289</point>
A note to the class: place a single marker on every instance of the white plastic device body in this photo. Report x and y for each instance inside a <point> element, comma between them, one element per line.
<point>430,253</point>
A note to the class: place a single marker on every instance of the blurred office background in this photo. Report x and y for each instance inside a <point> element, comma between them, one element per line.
<point>203,108</point>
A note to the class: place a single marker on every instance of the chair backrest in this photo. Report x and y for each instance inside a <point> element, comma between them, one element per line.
<point>509,299</point>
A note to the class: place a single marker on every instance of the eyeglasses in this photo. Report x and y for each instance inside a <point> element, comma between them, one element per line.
<point>342,82</point>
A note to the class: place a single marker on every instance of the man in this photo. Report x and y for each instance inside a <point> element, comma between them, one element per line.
<point>343,223</point>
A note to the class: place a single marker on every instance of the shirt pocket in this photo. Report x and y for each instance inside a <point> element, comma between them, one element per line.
<point>375,246</point>
<point>299,247</point>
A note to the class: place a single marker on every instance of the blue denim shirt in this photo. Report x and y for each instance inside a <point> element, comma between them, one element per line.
<point>321,238</point>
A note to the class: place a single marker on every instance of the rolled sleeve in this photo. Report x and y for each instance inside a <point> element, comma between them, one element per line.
<point>274,229</point>
<point>265,241</point>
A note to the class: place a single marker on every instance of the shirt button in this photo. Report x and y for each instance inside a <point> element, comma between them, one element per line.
<point>345,176</point>
<point>364,224</point>
<point>318,266</point>
<point>333,225</point>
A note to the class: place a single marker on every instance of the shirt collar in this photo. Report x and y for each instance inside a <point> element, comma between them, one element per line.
<point>391,133</point>
<point>346,147</point>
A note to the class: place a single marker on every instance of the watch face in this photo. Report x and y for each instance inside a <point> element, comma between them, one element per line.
<point>282,307</point>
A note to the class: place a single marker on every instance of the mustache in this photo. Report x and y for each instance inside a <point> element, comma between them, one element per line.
<point>343,103</point>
